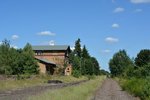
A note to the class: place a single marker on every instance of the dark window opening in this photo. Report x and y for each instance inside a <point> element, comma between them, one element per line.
<point>50,69</point>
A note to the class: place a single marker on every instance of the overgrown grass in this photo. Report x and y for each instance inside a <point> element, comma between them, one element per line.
<point>38,80</point>
<point>138,87</point>
<point>83,91</point>
<point>10,84</point>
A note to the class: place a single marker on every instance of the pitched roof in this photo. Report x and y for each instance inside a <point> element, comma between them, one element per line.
<point>49,47</point>
<point>46,61</point>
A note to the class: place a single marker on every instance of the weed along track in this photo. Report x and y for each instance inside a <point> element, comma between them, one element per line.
<point>22,94</point>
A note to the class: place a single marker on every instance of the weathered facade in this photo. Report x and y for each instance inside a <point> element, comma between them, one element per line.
<point>51,57</point>
<point>68,70</point>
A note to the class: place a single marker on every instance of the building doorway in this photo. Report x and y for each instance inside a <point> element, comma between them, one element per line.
<point>50,69</point>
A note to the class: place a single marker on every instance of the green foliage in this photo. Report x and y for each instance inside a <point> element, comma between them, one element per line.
<point>136,76</point>
<point>82,62</point>
<point>137,86</point>
<point>76,63</point>
<point>85,53</point>
<point>96,66</point>
<point>85,66</point>
<point>76,73</point>
<point>88,67</point>
<point>7,56</point>
<point>141,72</point>
<point>78,48</point>
<point>30,64</point>
<point>119,63</point>
<point>128,72</point>
<point>146,89</point>
<point>143,58</point>
<point>16,62</point>
<point>142,62</point>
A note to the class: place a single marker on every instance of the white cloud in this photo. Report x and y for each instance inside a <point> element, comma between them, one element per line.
<point>115,25</point>
<point>111,40</point>
<point>106,51</point>
<point>52,42</point>
<point>0,43</point>
<point>72,48</point>
<point>118,10</point>
<point>138,10</point>
<point>14,37</point>
<point>140,1</point>
<point>14,46</point>
<point>47,33</point>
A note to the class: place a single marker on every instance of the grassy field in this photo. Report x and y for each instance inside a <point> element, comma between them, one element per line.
<point>38,80</point>
<point>83,91</point>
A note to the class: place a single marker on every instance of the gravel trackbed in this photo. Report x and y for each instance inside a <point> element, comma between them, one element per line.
<point>110,90</point>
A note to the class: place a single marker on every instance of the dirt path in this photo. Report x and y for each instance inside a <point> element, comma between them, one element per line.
<point>110,90</point>
<point>22,94</point>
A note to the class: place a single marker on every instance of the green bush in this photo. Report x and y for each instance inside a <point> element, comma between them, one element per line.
<point>137,86</point>
<point>146,89</point>
<point>76,73</point>
<point>17,61</point>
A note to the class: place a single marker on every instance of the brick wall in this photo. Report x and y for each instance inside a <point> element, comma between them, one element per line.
<point>56,57</point>
<point>42,68</point>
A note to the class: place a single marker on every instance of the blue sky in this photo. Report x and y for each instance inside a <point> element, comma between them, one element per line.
<point>104,26</point>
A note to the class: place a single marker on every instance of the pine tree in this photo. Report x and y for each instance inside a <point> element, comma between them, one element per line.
<point>5,57</point>
<point>78,48</point>
<point>95,65</point>
<point>30,64</point>
<point>85,53</point>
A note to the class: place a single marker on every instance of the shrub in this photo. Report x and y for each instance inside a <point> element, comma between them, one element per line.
<point>76,73</point>
<point>146,89</point>
<point>137,86</point>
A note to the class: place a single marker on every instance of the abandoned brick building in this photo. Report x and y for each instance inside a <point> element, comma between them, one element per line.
<point>51,58</point>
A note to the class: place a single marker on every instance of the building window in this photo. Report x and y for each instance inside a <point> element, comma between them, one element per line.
<point>39,53</point>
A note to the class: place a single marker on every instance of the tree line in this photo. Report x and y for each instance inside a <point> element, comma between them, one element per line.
<point>21,61</point>
<point>82,62</point>
<point>17,61</point>
<point>122,65</point>
<point>134,74</point>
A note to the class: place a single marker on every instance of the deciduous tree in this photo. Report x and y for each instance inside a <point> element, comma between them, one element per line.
<point>143,58</point>
<point>119,63</point>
